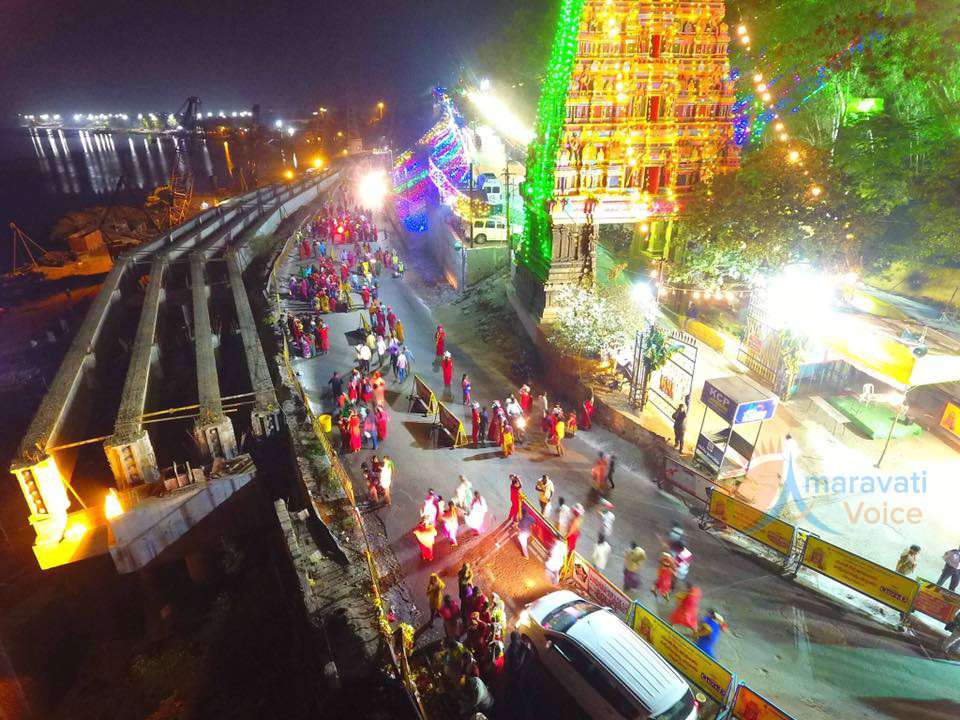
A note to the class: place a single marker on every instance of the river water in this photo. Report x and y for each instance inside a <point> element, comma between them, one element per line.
<point>45,173</point>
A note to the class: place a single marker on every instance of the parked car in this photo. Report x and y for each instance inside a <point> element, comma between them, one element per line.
<point>608,669</point>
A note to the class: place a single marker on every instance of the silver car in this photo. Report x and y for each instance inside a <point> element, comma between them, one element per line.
<point>607,668</point>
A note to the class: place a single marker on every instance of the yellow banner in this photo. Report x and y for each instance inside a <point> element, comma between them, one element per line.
<point>951,419</point>
<point>689,660</point>
<point>875,581</point>
<point>747,705</point>
<point>937,602</point>
<point>766,529</point>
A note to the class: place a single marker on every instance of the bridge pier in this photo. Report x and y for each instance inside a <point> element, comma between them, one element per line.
<point>213,430</point>
<point>265,416</point>
<point>132,459</point>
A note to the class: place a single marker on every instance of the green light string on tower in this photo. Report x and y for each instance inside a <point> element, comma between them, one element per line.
<point>537,247</point>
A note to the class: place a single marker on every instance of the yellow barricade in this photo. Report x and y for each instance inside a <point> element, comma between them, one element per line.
<point>452,426</point>
<point>936,602</point>
<point>702,670</point>
<point>424,395</point>
<point>766,529</point>
<point>748,705</point>
<point>882,584</point>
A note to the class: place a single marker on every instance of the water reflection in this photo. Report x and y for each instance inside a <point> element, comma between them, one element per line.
<point>68,161</point>
<point>138,173</point>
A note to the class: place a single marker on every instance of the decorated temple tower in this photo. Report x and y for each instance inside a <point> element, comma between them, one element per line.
<point>635,110</point>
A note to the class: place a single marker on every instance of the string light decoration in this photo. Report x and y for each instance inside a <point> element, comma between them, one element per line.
<point>436,170</point>
<point>635,110</point>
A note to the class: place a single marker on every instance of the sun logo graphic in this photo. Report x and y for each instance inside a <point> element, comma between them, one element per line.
<point>773,484</point>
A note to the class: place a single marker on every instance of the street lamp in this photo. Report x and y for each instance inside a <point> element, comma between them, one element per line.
<point>380,108</point>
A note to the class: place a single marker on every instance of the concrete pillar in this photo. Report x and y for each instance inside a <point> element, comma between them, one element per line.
<point>573,262</point>
<point>265,422</point>
<point>215,436</point>
<point>132,459</point>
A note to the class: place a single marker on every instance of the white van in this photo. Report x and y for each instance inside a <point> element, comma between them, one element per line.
<point>492,229</point>
<point>609,669</point>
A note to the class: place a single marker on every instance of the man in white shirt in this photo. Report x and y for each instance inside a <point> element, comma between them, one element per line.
<point>364,355</point>
<point>951,568</point>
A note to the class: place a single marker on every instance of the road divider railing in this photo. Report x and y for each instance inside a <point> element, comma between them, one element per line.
<point>423,397</point>
<point>797,548</point>
<point>395,648</point>
<point>451,426</point>
<point>710,676</point>
<point>751,705</point>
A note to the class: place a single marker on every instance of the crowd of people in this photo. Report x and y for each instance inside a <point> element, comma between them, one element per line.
<point>443,519</point>
<point>480,667</point>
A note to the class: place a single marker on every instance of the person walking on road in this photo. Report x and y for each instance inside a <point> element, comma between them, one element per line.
<point>506,440</point>
<point>446,366</point>
<point>564,517</point>
<point>475,424</point>
<point>386,478</point>
<point>679,426</point>
<point>907,564</point>
<point>435,588</point>
<point>606,519</point>
<point>398,331</point>
<point>611,468</point>
<point>686,612</point>
<point>464,580</point>
<point>440,338</point>
<point>516,489</point>
<point>601,553</point>
<point>477,514</point>
<point>426,534</point>
<point>666,572</point>
<point>545,488</point>
<point>463,494</point>
<point>524,528</point>
<point>576,523</point>
<point>559,432</point>
<point>401,367</point>
<point>632,560</point>
<point>598,473</point>
<point>466,388</point>
<point>709,631</point>
<point>484,422</point>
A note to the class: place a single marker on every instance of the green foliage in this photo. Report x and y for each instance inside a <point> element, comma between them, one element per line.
<point>594,323</point>
<point>766,216</point>
<point>890,180</point>
<point>657,349</point>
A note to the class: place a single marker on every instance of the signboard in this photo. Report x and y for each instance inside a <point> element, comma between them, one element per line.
<point>766,529</point>
<point>756,411</point>
<point>950,420</point>
<point>597,587</point>
<point>748,705</point>
<point>883,585</point>
<point>451,426</point>
<point>424,395</point>
<point>936,602</point>
<point>709,452</point>
<point>714,399</point>
<point>689,660</point>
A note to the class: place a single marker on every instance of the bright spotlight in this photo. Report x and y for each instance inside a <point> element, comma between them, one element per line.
<point>373,189</point>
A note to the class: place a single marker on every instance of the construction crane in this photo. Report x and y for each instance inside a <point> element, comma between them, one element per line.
<point>173,199</point>
<point>188,116</point>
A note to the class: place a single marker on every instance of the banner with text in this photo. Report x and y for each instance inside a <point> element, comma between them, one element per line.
<point>748,705</point>
<point>772,532</point>
<point>701,669</point>
<point>597,586</point>
<point>936,602</point>
<point>882,584</point>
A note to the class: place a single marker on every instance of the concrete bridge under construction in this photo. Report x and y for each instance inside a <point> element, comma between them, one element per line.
<point>164,377</point>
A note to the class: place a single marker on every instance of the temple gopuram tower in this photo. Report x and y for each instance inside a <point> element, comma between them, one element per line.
<point>634,111</point>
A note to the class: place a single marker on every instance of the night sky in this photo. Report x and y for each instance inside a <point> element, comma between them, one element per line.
<point>128,55</point>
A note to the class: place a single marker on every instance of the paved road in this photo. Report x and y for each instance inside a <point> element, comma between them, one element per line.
<point>803,652</point>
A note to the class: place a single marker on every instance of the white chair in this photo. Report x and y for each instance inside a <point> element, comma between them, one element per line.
<point>867,394</point>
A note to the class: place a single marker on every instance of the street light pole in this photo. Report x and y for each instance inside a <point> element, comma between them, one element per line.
<point>471,204</point>
<point>506,192</point>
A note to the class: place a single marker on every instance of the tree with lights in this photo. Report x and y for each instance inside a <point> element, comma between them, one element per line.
<point>781,207</point>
